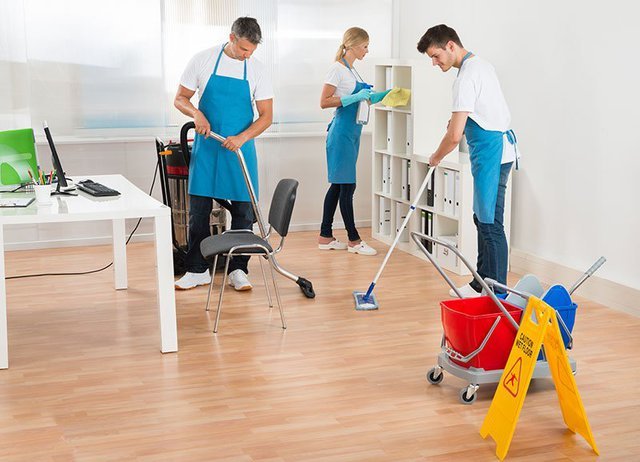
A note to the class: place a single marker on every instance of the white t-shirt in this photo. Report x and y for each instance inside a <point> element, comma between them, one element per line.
<point>342,78</point>
<point>477,90</point>
<point>199,70</point>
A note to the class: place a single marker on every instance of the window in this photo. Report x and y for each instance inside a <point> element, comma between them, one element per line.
<point>115,66</point>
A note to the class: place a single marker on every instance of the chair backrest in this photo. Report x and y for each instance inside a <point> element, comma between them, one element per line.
<point>284,197</point>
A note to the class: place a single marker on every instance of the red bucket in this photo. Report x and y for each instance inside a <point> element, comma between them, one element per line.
<point>466,323</point>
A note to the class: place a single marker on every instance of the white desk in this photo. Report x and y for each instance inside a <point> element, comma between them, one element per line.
<point>132,203</point>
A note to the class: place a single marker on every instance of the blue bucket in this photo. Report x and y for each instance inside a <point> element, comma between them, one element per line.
<point>559,298</point>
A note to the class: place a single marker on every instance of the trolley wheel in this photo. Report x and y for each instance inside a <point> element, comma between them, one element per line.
<point>465,399</point>
<point>435,376</point>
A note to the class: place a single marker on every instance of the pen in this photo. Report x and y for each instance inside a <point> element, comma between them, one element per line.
<point>51,177</point>
<point>33,181</point>
<point>40,175</point>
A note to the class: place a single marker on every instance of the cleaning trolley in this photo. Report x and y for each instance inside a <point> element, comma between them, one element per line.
<point>479,332</point>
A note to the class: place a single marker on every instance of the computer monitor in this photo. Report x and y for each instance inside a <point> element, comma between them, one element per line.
<point>17,158</point>
<point>57,166</point>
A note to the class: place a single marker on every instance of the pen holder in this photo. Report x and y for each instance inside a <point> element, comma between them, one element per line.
<point>43,194</point>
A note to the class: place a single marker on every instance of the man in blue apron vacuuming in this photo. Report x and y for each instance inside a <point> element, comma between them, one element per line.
<point>479,112</point>
<point>228,84</point>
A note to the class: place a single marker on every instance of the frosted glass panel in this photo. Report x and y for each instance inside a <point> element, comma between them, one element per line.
<point>86,66</point>
<point>190,27</point>
<point>14,77</point>
<point>309,34</point>
<point>94,64</point>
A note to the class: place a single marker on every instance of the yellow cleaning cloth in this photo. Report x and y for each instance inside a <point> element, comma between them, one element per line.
<point>397,97</point>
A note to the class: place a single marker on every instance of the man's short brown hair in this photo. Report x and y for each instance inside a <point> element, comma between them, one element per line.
<point>438,36</point>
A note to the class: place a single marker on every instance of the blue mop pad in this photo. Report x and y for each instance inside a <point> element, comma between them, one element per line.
<point>361,305</point>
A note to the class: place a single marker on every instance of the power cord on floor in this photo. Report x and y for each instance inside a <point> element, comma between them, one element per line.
<point>155,174</point>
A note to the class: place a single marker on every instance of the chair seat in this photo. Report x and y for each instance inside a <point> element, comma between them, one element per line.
<point>223,243</point>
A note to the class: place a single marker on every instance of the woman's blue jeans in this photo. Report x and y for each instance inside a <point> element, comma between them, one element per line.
<point>493,251</point>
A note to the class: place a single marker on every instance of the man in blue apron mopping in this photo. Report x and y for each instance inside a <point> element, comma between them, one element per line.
<point>228,84</point>
<point>480,112</point>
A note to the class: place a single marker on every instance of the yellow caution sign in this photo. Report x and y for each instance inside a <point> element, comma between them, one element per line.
<point>505,408</point>
<point>571,405</point>
<point>504,411</point>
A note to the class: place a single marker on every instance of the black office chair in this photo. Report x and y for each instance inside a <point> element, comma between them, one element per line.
<point>246,243</point>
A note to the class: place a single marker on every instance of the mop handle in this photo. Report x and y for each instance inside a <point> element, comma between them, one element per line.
<point>412,208</point>
<point>587,274</point>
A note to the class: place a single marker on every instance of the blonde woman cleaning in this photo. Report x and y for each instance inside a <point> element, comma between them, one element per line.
<point>343,89</point>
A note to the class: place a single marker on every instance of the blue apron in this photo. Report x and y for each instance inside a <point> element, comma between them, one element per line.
<point>343,140</point>
<point>485,152</point>
<point>215,171</point>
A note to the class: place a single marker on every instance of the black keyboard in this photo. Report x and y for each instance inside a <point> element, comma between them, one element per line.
<point>96,189</point>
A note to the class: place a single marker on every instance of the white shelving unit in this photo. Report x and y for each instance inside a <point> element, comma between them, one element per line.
<point>403,140</point>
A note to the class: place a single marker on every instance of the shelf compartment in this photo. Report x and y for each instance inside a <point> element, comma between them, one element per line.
<point>402,79</point>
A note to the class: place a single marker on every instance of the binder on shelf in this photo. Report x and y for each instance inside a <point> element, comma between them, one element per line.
<point>408,180</point>
<point>446,257</point>
<point>384,223</point>
<point>431,190</point>
<point>401,214</point>
<point>448,181</point>
<point>430,230</point>
<point>457,194</point>
<point>386,174</point>
<point>388,78</point>
<point>390,132</point>
<point>409,142</point>
<point>426,226</point>
<point>405,179</point>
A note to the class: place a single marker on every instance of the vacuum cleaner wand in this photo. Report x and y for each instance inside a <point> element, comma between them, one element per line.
<point>305,286</point>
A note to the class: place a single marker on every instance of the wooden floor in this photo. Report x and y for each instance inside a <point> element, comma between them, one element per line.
<point>87,380</point>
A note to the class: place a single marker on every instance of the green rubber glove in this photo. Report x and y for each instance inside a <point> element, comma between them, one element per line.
<point>356,97</point>
<point>377,97</point>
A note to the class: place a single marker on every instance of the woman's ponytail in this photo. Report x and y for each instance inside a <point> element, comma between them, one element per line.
<point>341,50</point>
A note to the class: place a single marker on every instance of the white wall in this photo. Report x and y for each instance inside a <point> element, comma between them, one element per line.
<point>301,157</point>
<point>569,71</point>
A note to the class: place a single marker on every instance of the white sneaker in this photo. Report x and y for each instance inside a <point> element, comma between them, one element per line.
<point>333,245</point>
<point>363,249</point>
<point>191,280</point>
<point>466,291</point>
<point>238,280</point>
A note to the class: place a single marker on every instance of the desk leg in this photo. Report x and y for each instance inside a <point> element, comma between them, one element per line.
<point>119,254</point>
<point>4,348</point>
<point>166,294</point>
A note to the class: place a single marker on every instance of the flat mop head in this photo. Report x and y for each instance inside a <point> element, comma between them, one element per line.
<point>365,305</point>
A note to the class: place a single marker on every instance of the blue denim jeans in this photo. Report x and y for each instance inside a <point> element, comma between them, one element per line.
<point>199,229</point>
<point>493,252</point>
<point>342,193</point>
